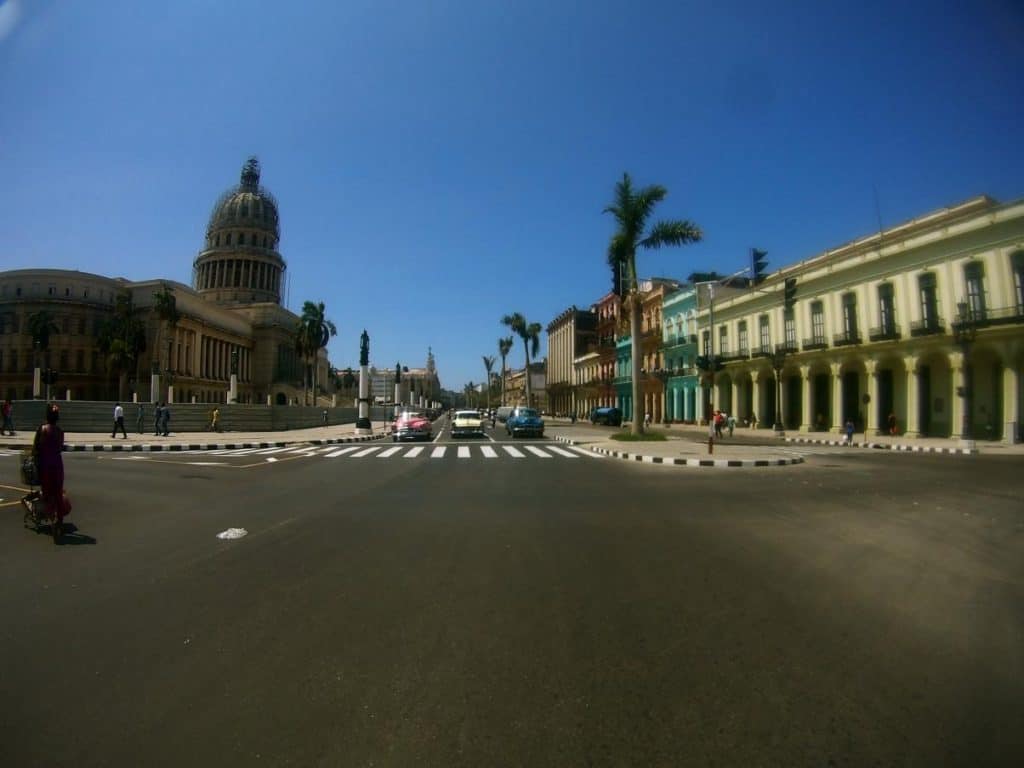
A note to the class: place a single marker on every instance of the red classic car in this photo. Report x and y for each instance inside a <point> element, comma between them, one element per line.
<point>411,425</point>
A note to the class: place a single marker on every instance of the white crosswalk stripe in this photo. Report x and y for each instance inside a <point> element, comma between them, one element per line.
<point>488,452</point>
<point>438,452</point>
<point>463,452</point>
<point>515,453</point>
<point>538,452</point>
<point>562,452</point>
<point>389,452</point>
<point>414,452</point>
<point>365,452</point>
<point>341,452</point>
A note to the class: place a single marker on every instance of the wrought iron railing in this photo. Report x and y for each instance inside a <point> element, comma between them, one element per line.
<point>815,342</point>
<point>846,338</point>
<point>927,327</point>
<point>884,332</point>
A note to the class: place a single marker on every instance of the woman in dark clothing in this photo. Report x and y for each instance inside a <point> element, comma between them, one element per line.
<point>48,445</point>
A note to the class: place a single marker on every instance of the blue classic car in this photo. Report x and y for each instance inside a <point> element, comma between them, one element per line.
<point>525,421</point>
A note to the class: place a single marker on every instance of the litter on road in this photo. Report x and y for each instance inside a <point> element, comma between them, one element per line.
<point>232,533</point>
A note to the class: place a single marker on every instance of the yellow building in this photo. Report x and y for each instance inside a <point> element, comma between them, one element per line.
<point>867,332</point>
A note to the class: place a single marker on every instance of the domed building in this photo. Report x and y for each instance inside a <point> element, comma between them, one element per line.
<point>240,263</point>
<point>192,339</point>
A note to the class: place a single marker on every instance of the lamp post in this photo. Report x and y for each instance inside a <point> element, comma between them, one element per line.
<point>964,333</point>
<point>778,361</point>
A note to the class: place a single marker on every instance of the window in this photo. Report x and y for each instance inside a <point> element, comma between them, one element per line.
<point>886,308</point>
<point>80,361</point>
<point>13,366</point>
<point>974,277</point>
<point>744,344</point>
<point>850,316</point>
<point>63,360</point>
<point>929,301</point>
<point>766,333</point>
<point>818,323</point>
<point>67,291</point>
<point>17,291</point>
<point>227,239</point>
<point>723,340</point>
<point>81,326</point>
<point>1017,266</point>
<point>789,328</point>
<point>65,325</point>
<point>706,342</point>
<point>51,290</point>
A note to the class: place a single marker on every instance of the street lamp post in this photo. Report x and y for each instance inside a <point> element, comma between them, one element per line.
<point>778,361</point>
<point>964,333</point>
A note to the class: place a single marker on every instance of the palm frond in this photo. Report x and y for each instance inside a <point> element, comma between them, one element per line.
<point>679,232</point>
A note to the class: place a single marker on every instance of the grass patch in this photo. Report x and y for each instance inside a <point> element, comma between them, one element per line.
<point>646,437</point>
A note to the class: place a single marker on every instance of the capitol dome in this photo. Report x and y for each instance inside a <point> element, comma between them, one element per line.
<point>240,263</point>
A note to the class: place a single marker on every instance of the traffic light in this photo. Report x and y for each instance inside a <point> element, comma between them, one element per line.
<point>790,292</point>
<point>758,265</point>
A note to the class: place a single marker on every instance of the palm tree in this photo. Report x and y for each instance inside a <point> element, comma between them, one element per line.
<point>313,333</point>
<point>504,347</point>
<point>121,339</point>
<point>166,307</point>
<point>489,365</point>
<point>631,210</point>
<point>530,334</point>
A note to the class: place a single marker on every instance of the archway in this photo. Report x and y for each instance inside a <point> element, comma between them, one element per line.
<point>280,399</point>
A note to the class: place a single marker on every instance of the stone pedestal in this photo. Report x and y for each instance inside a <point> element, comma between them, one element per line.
<point>154,388</point>
<point>233,389</point>
<point>170,394</point>
<point>37,384</point>
<point>363,425</point>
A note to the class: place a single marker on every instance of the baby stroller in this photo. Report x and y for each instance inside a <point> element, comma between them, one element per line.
<point>38,515</point>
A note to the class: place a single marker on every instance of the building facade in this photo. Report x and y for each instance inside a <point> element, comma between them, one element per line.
<point>866,332</point>
<point>229,321</point>
<point>571,333</point>
<point>679,351</point>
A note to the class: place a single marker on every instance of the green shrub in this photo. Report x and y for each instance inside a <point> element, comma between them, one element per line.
<point>645,437</point>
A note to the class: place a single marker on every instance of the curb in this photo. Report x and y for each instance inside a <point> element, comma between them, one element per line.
<point>672,461</point>
<point>160,448</point>
<point>901,447</point>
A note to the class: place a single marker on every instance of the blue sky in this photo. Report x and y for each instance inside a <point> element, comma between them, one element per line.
<point>439,164</point>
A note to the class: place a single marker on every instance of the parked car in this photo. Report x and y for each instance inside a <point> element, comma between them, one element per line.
<point>525,421</point>
<point>610,416</point>
<point>467,423</point>
<point>411,425</point>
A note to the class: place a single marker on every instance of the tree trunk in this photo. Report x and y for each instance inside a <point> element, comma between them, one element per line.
<point>526,375</point>
<point>503,380</point>
<point>634,345</point>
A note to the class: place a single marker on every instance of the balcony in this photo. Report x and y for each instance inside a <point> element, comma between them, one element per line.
<point>764,350</point>
<point>1002,316</point>
<point>846,338</point>
<point>929,327</point>
<point>789,346</point>
<point>815,342</point>
<point>728,357</point>
<point>890,332</point>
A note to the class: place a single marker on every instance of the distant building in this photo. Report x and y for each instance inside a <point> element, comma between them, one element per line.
<point>231,316</point>
<point>569,335</point>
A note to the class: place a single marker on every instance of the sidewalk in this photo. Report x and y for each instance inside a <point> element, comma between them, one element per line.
<point>687,445</point>
<point>197,441</point>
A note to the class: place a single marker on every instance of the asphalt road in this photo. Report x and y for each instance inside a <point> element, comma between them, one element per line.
<point>859,609</point>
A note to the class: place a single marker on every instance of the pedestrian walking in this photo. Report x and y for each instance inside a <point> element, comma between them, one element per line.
<point>647,419</point>
<point>165,418</point>
<point>731,422</point>
<point>8,413</point>
<point>157,418</point>
<point>141,419</point>
<point>215,419</point>
<point>892,424</point>
<point>718,420</point>
<point>849,431</point>
<point>118,421</point>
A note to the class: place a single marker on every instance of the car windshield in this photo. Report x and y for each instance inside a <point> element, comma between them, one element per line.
<point>526,412</point>
<point>467,415</point>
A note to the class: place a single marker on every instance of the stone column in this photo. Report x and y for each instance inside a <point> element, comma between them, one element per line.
<point>956,410</point>
<point>734,398</point>
<point>677,400</point>
<point>837,397</point>
<point>782,392</point>
<point>154,387</point>
<point>912,421</point>
<point>871,409</point>
<point>805,398</point>
<point>756,398</point>
<point>37,383</point>
<point>1011,401</point>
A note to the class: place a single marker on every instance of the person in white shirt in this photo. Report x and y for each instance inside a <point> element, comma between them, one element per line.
<point>119,421</point>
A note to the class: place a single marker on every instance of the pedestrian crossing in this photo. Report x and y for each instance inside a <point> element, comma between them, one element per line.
<point>446,451</point>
